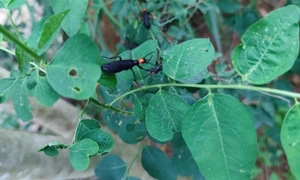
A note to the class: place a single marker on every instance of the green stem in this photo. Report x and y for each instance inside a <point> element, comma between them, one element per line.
<point>107,106</point>
<point>13,39</point>
<point>213,86</point>
<point>80,118</point>
<point>13,24</point>
<point>7,50</point>
<point>38,67</point>
<point>110,16</point>
<point>134,158</point>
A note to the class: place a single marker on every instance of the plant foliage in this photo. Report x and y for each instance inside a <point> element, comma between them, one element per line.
<point>212,133</point>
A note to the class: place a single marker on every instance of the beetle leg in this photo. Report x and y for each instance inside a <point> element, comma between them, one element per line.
<point>114,57</point>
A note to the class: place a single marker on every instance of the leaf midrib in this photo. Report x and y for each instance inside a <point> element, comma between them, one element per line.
<point>220,135</point>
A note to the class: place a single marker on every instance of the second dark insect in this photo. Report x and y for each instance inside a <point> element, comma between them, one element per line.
<point>146,18</point>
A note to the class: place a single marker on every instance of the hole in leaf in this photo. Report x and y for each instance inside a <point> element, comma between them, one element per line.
<point>41,73</point>
<point>76,89</point>
<point>206,50</point>
<point>72,72</point>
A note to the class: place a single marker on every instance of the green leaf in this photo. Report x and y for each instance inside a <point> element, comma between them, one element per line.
<point>107,79</point>
<point>23,58</point>
<point>111,167</point>
<point>184,162</point>
<point>270,46</point>
<point>182,158</point>
<point>139,52</point>
<point>219,131</point>
<point>44,92</point>
<point>187,59</point>
<point>72,22</point>
<point>74,70</point>
<point>132,178</point>
<point>14,4</point>
<point>139,110</point>
<point>85,126</point>
<point>164,115</point>
<point>7,88</point>
<point>157,164</point>
<point>4,3</point>
<point>104,140</point>
<point>34,38</point>
<point>187,2</point>
<point>50,31</point>
<point>51,149</point>
<point>290,138</point>
<point>80,152</point>
<point>20,101</point>
<point>135,136</point>
<point>32,80</point>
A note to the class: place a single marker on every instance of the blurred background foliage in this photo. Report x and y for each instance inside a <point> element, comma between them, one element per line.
<point>117,26</point>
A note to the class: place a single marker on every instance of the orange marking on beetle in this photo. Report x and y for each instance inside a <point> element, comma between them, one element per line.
<point>141,60</point>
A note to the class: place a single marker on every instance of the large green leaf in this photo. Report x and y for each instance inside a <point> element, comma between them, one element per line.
<point>164,115</point>
<point>143,50</point>
<point>74,70</point>
<point>290,139</point>
<point>72,22</point>
<point>111,167</point>
<point>219,131</point>
<point>157,163</point>
<point>80,153</point>
<point>270,46</point>
<point>187,59</point>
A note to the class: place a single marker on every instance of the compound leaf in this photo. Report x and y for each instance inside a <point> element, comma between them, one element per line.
<point>85,126</point>
<point>219,131</point>
<point>103,139</point>
<point>270,46</point>
<point>80,153</point>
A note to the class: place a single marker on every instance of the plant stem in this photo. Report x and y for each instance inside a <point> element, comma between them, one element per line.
<point>110,16</point>
<point>134,158</point>
<point>80,118</point>
<point>107,106</point>
<point>213,86</point>
<point>18,43</point>
<point>38,67</point>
